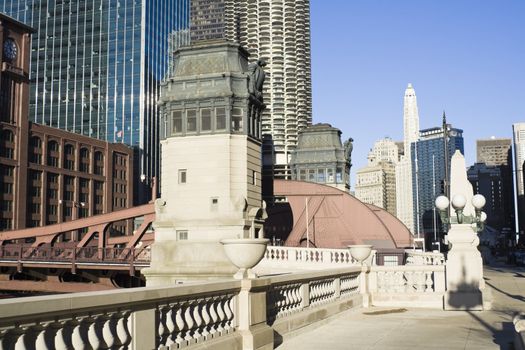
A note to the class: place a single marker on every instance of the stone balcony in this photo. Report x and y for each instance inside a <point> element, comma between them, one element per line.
<point>228,314</point>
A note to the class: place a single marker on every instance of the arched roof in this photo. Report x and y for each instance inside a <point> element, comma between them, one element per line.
<point>336,218</point>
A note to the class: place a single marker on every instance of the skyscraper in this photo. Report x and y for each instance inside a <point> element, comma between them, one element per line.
<point>279,32</point>
<point>404,181</point>
<point>96,67</point>
<point>519,165</point>
<point>430,171</point>
<point>376,182</point>
<point>494,151</point>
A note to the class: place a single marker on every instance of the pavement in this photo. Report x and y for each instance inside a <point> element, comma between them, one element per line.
<point>416,328</point>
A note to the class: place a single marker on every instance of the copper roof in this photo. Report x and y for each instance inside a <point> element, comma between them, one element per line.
<point>336,219</point>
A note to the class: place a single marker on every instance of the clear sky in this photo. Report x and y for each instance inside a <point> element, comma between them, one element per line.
<point>466,57</point>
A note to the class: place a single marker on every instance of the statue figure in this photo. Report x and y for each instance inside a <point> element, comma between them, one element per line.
<point>256,77</point>
<point>349,146</point>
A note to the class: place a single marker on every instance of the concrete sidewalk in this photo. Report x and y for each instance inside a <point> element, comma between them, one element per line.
<point>412,328</point>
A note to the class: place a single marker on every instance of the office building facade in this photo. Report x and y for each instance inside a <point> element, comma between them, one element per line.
<point>431,157</point>
<point>376,182</point>
<point>96,67</point>
<point>494,151</point>
<point>495,184</point>
<point>278,32</point>
<point>47,175</point>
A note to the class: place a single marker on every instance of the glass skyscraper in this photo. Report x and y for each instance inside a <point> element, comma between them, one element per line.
<point>96,66</point>
<point>430,170</point>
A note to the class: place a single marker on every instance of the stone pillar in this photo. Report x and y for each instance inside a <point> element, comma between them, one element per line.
<point>464,270</point>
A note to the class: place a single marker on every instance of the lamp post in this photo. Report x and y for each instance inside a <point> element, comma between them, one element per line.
<point>464,268</point>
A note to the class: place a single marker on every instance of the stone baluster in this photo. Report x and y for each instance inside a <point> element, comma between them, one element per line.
<point>80,337</point>
<point>26,337</point>
<point>206,318</point>
<point>188,320</point>
<point>179,324</point>
<point>10,337</point>
<point>420,281</point>
<point>122,330</point>
<point>198,319</point>
<point>410,281</point>
<point>95,332</point>
<point>163,330</point>
<point>169,326</point>
<point>228,306</point>
<point>429,282</point>
<point>109,331</point>
<point>64,336</point>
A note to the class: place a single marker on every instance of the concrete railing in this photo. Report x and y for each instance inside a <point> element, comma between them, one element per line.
<point>409,285</point>
<point>231,314</point>
<point>415,257</point>
<point>307,258</point>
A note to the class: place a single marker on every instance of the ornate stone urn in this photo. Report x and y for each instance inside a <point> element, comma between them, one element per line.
<point>360,252</point>
<point>245,253</point>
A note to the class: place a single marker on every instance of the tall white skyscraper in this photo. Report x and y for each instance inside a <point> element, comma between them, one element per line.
<point>277,31</point>
<point>519,164</point>
<point>519,154</point>
<point>405,201</point>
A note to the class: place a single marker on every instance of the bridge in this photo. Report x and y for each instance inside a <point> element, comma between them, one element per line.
<point>55,258</point>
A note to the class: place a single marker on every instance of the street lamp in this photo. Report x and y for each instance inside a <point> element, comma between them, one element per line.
<point>458,203</point>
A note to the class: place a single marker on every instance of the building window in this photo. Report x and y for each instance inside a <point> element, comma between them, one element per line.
<point>182,176</point>
<point>176,122</point>
<point>35,152</point>
<point>330,175</point>
<point>302,175</point>
<point>182,235</point>
<point>52,153</point>
<point>69,157</point>
<point>7,144</point>
<point>205,119</point>
<point>99,163</point>
<point>321,176</point>
<point>339,175</point>
<point>220,118</point>
<point>311,175</point>
<point>84,160</point>
<point>237,119</point>
<point>191,116</point>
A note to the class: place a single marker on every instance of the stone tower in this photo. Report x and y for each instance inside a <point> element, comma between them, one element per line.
<point>211,162</point>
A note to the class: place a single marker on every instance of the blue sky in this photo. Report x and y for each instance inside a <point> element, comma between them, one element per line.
<point>466,57</point>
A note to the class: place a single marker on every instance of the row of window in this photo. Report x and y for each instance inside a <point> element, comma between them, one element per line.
<point>204,120</point>
<point>320,175</point>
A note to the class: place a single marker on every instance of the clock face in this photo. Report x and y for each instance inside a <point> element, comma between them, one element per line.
<point>10,49</point>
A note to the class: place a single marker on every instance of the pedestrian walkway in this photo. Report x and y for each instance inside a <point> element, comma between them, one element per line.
<point>413,328</point>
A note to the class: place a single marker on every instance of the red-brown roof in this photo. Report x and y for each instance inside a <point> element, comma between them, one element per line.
<point>336,219</point>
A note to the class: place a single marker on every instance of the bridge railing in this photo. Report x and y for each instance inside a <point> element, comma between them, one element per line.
<point>226,314</point>
<point>64,254</point>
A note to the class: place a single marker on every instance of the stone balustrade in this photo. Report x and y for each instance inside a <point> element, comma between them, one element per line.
<point>408,285</point>
<point>230,314</point>
<point>297,258</point>
<point>416,257</point>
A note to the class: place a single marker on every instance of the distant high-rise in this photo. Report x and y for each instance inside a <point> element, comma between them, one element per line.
<point>404,181</point>
<point>279,32</point>
<point>96,67</point>
<point>495,183</point>
<point>519,165</point>
<point>494,151</point>
<point>376,182</point>
<point>431,171</point>
<point>491,176</point>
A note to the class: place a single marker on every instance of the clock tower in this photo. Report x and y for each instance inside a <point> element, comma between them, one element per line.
<point>15,44</point>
